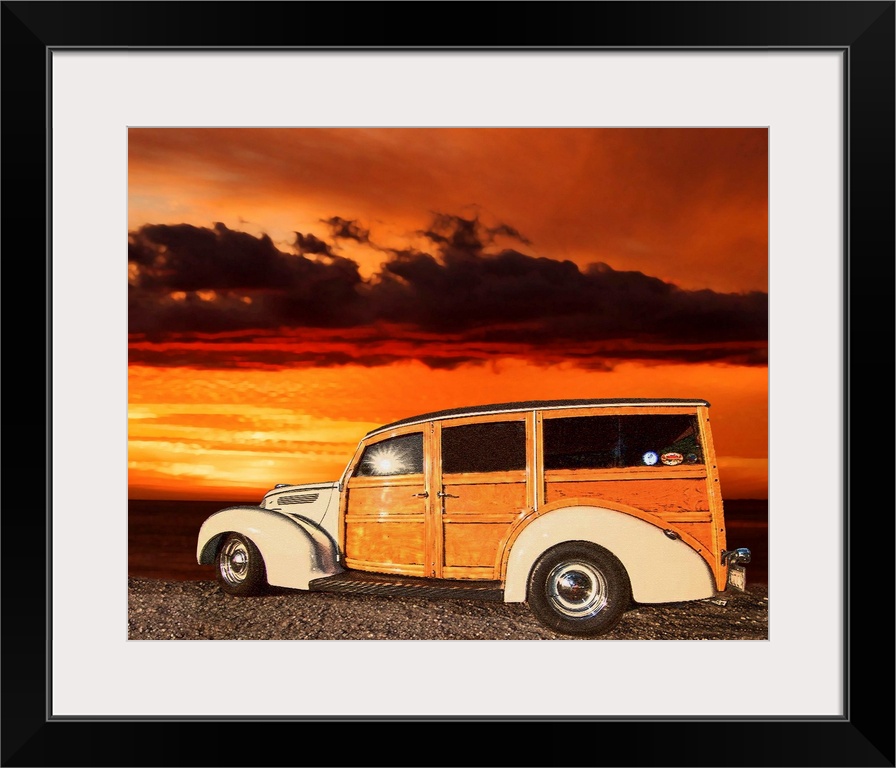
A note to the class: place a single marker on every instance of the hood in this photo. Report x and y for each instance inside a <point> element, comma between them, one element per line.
<point>309,500</point>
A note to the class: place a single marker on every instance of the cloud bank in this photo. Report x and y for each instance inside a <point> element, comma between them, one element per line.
<point>216,297</point>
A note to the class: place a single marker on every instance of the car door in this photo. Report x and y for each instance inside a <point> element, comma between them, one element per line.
<point>388,505</point>
<point>482,479</point>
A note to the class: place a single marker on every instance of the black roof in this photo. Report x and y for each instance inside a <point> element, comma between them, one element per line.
<point>529,405</point>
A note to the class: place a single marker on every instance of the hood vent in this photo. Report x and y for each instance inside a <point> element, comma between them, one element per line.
<point>301,498</point>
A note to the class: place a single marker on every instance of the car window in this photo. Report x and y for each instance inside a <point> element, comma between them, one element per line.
<point>401,455</point>
<point>491,447</point>
<point>585,442</point>
<point>604,442</point>
<point>659,440</point>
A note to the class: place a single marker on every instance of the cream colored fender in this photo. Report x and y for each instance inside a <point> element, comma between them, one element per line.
<point>661,570</point>
<point>295,550</point>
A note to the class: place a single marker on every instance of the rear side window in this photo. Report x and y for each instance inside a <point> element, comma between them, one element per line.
<point>659,440</point>
<point>589,442</point>
<point>495,447</point>
<point>396,456</point>
<point>605,442</point>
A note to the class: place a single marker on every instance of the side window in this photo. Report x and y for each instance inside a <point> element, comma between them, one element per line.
<point>606,442</point>
<point>495,447</point>
<point>584,442</point>
<point>659,440</point>
<point>396,456</point>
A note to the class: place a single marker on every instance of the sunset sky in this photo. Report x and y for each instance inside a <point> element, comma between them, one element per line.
<point>291,289</point>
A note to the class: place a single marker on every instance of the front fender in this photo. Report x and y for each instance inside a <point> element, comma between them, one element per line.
<point>295,551</point>
<point>661,570</point>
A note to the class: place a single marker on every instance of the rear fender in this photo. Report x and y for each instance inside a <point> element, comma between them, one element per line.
<point>660,569</point>
<point>295,550</point>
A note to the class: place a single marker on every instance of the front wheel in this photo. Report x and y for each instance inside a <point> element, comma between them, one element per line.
<point>579,588</point>
<point>241,568</point>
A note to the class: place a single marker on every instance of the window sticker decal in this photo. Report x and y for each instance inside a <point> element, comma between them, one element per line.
<point>671,459</point>
<point>650,458</point>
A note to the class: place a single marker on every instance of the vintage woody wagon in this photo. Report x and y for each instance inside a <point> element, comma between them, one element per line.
<point>577,507</point>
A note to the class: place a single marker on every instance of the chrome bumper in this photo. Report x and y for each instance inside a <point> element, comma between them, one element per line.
<point>740,556</point>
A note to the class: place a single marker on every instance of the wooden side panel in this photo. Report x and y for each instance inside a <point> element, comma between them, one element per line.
<point>477,522</point>
<point>385,500</point>
<point>532,486</point>
<point>663,497</point>
<point>715,497</point>
<point>703,532</point>
<point>385,527</point>
<point>684,502</point>
<point>484,495</point>
<point>433,543</point>
<point>386,543</point>
<point>482,573</point>
<point>473,544</point>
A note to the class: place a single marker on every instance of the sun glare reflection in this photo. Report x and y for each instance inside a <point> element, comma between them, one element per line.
<point>387,460</point>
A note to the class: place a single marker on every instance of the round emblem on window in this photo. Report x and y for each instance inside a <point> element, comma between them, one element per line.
<point>671,459</point>
<point>650,458</point>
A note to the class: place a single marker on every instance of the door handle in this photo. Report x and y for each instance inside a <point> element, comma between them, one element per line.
<point>424,495</point>
<point>443,495</point>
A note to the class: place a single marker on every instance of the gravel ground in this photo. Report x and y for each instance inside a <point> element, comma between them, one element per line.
<point>199,610</point>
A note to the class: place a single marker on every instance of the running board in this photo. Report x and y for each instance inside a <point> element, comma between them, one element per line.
<point>384,584</point>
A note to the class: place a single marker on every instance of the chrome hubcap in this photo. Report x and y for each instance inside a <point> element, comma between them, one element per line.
<point>576,589</point>
<point>234,562</point>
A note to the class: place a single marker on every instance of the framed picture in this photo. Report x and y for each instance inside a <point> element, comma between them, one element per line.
<point>816,77</point>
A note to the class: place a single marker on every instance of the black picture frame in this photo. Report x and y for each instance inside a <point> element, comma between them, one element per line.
<point>864,736</point>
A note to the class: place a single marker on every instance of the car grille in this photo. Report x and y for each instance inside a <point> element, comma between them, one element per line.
<point>300,498</point>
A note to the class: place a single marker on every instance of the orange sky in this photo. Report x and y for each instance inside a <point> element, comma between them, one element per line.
<point>290,289</point>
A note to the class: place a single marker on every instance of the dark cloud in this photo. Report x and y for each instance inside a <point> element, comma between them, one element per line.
<point>467,290</point>
<point>460,239</point>
<point>346,229</point>
<point>221,354</point>
<point>186,280</point>
<point>186,258</point>
<point>213,358</point>
<point>311,244</point>
<point>508,231</point>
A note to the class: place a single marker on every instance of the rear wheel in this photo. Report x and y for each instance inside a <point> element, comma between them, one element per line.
<point>241,568</point>
<point>579,588</point>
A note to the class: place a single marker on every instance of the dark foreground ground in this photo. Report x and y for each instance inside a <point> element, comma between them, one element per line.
<point>199,610</point>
